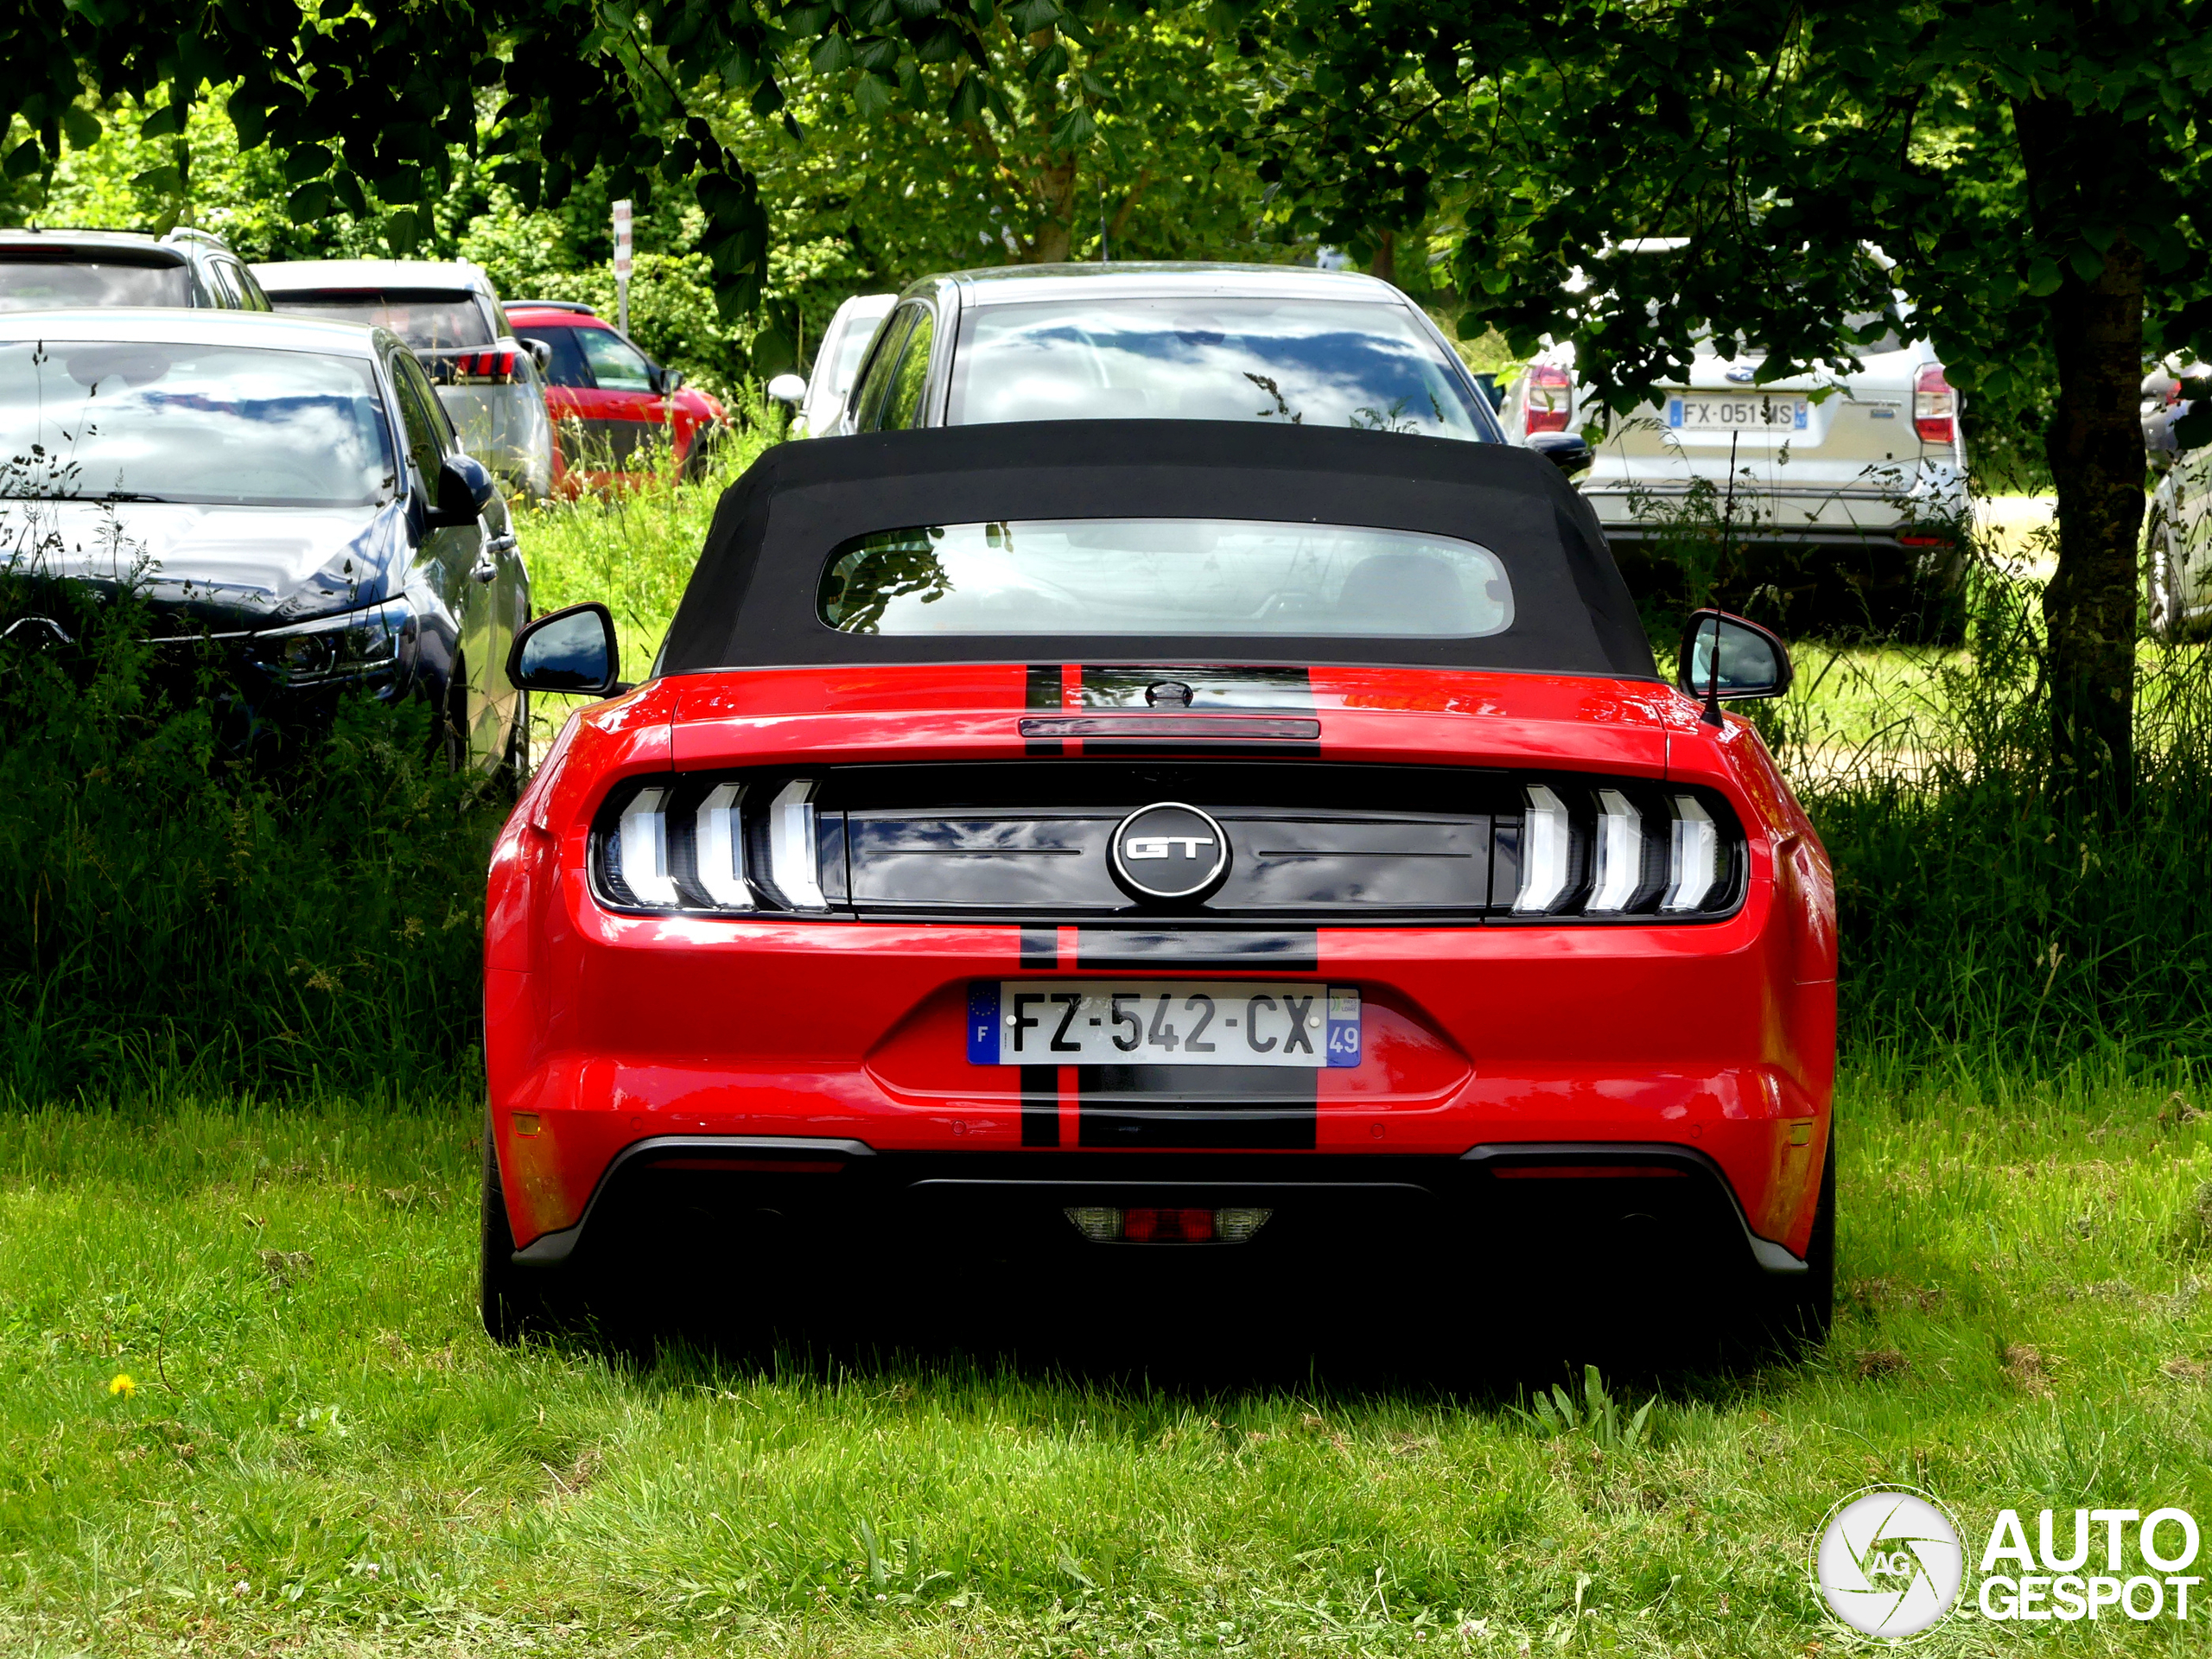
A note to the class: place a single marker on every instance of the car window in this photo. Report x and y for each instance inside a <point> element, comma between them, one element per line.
<point>173,422</point>
<point>1295,361</point>
<point>567,366</point>
<point>876,379</point>
<point>255,299</point>
<point>425,444</point>
<point>45,285</point>
<point>426,319</point>
<point>224,285</point>
<point>616,365</point>
<point>1147,577</point>
<point>903,406</point>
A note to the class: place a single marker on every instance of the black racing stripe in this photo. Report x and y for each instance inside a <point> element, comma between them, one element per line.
<point>1122,685</point>
<point>1190,949</point>
<point>1040,949</point>
<point>1042,691</point>
<point>1227,1106</point>
<point>1040,1105</point>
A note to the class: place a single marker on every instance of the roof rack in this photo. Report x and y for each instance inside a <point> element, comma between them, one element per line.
<point>81,229</point>
<point>577,306</point>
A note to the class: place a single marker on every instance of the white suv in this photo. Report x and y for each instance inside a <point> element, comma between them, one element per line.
<point>1861,491</point>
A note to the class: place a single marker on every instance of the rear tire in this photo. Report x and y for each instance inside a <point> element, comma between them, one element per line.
<point>1804,1304</point>
<point>515,1302</point>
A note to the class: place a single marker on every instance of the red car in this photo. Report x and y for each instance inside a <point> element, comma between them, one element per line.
<point>608,400</point>
<point>1157,836</point>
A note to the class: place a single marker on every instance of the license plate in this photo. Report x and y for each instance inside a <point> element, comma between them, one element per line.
<point>1738,414</point>
<point>1138,1022</point>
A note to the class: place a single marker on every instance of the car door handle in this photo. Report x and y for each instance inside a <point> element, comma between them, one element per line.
<point>501,543</point>
<point>486,568</point>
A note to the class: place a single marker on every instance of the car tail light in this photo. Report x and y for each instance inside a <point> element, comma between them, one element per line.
<point>718,841</point>
<point>1619,851</point>
<point>1549,396</point>
<point>1934,407</point>
<point>1546,842</point>
<point>712,844</point>
<point>1693,864</point>
<point>1108,1224</point>
<point>794,856</point>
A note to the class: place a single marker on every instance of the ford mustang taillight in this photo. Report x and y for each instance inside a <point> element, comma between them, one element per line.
<point>1622,850</point>
<point>1309,842</point>
<point>1548,397</point>
<point>1934,406</point>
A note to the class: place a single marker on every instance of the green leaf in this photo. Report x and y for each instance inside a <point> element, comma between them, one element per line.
<point>967,101</point>
<point>23,161</point>
<point>82,126</point>
<point>872,98</point>
<point>835,53</point>
<point>1072,129</point>
<point>1052,61</point>
<point>1030,16</point>
<point>2044,278</point>
<point>167,118</point>
<point>2088,264</point>
<point>309,203</point>
<point>308,162</point>
<point>155,181</point>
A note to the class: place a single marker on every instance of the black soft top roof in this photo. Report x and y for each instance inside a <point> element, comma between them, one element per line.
<point>752,601</point>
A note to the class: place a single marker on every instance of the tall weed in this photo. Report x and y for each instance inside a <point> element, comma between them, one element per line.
<point>178,914</point>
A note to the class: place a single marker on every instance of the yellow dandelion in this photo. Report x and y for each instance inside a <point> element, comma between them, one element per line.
<point>124,1384</point>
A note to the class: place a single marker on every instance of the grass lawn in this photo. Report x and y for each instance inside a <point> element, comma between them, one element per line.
<point>319,1452</point>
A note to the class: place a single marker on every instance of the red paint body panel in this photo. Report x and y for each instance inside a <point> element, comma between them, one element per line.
<point>1717,1036</point>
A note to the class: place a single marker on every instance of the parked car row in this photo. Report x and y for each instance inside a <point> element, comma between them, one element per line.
<point>552,399</point>
<point>287,490</point>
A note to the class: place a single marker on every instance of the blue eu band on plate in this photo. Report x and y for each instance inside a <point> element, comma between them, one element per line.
<point>1139,1022</point>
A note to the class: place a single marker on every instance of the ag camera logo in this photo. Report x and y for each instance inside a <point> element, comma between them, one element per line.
<point>1889,1563</point>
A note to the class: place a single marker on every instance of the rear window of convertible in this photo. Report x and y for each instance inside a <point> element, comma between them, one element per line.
<point>1164,576</point>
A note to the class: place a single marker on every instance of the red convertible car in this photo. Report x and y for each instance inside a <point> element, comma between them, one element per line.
<point>1158,836</point>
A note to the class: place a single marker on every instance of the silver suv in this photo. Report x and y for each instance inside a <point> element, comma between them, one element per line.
<point>1843,493</point>
<point>53,269</point>
<point>489,381</point>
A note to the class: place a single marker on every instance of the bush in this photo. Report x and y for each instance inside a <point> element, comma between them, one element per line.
<point>175,913</point>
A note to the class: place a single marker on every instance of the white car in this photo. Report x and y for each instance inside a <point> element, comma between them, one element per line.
<point>820,398</point>
<point>1845,491</point>
<point>489,381</point>
<point>2177,525</point>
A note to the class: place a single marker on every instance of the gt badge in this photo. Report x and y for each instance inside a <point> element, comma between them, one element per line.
<point>1169,850</point>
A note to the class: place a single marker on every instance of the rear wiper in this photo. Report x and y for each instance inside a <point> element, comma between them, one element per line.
<point>119,495</point>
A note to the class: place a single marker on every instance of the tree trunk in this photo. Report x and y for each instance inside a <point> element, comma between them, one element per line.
<point>2078,169</point>
<point>1055,189</point>
<point>1385,262</point>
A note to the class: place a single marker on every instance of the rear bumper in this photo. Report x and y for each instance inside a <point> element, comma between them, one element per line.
<point>847,1187</point>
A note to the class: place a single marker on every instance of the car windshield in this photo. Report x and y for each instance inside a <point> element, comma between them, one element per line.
<point>45,285</point>
<point>170,421</point>
<point>1158,576</point>
<point>1309,362</point>
<point>428,322</point>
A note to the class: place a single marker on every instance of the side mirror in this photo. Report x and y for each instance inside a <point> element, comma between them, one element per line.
<point>1724,658</point>
<point>1568,451</point>
<point>788,389</point>
<point>668,382</point>
<point>573,650</point>
<point>463,489</point>
<point>540,354</point>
